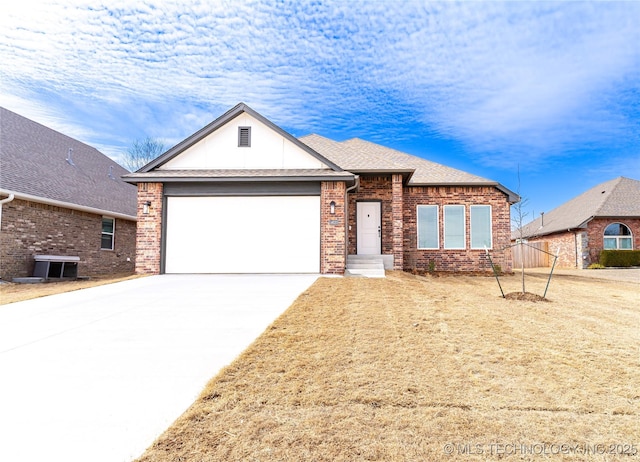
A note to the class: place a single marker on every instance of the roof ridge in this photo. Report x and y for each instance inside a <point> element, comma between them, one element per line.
<point>615,197</point>
<point>75,140</point>
<point>222,120</point>
<point>33,163</point>
<point>608,194</point>
<point>416,158</point>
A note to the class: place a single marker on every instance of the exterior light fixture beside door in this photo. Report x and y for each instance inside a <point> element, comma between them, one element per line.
<point>145,207</point>
<point>332,207</point>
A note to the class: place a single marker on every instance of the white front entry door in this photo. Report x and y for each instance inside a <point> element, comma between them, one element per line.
<point>369,229</point>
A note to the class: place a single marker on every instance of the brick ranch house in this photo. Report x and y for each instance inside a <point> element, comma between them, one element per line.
<point>61,197</point>
<point>241,195</point>
<point>606,216</point>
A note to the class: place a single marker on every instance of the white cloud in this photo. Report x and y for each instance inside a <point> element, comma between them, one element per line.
<point>536,79</point>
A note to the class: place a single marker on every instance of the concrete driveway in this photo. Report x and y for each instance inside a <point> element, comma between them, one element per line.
<point>99,373</point>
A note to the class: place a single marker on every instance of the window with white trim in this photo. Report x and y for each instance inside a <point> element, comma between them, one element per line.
<point>618,237</point>
<point>454,234</point>
<point>428,234</point>
<point>480,226</point>
<point>108,233</point>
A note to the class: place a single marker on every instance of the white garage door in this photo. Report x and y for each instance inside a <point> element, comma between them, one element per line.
<point>274,234</point>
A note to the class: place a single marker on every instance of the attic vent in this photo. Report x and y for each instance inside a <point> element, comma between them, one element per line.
<point>244,137</point>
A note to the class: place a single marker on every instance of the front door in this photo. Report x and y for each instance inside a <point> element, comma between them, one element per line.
<point>369,231</point>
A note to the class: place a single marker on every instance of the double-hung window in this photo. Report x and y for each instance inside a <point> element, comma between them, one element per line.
<point>454,224</point>
<point>428,235</point>
<point>108,232</point>
<point>480,226</point>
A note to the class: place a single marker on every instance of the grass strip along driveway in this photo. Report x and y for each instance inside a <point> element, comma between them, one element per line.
<point>424,368</point>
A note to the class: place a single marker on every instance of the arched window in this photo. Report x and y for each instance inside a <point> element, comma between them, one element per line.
<point>618,236</point>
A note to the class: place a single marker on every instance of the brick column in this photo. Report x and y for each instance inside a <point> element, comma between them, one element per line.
<point>149,229</point>
<point>332,228</point>
<point>396,213</point>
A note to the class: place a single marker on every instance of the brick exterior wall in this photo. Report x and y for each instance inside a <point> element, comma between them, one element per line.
<point>569,246</point>
<point>332,228</point>
<point>595,233</point>
<point>386,189</point>
<point>373,188</point>
<point>398,220</point>
<point>31,228</point>
<point>397,227</point>
<point>465,260</point>
<point>580,248</point>
<point>149,230</point>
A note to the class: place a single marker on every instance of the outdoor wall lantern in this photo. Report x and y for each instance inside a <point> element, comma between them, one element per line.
<point>332,207</point>
<point>145,207</point>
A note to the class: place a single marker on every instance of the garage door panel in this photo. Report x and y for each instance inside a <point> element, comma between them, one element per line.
<point>275,234</point>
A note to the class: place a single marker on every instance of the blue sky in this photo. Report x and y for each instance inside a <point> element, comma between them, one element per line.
<point>549,88</point>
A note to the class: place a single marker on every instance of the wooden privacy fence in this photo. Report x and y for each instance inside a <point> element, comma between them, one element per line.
<point>535,255</point>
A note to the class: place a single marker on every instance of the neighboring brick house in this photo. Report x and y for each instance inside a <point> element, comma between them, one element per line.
<point>242,195</point>
<point>606,216</point>
<point>61,197</point>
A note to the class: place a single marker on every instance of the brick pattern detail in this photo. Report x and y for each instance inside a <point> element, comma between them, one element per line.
<point>149,231</point>
<point>397,221</point>
<point>570,247</point>
<point>385,189</point>
<point>32,228</point>
<point>332,228</point>
<point>581,248</point>
<point>373,188</point>
<point>595,232</point>
<point>465,260</point>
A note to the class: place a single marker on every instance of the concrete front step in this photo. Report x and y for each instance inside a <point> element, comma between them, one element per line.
<point>365,264</point>
<point>386,259</point>
<point>365,273</point>
<point>370,266</point>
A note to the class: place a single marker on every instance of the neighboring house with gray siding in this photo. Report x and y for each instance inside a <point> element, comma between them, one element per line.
<point>606,216</point>
<point>61,197</point>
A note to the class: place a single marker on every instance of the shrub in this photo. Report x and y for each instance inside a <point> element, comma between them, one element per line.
<point>621,258</point>
<point>596,266</point>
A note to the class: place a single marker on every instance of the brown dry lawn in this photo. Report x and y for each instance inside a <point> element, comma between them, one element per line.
<point>10,292</point>
<point>412,368</point>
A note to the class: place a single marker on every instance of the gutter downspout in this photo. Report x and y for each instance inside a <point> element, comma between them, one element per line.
<point>346,216</point>
<point>575,246</point>
<point>2,202</point>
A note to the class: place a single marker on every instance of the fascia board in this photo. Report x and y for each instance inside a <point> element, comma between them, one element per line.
<point>222,120</point>
<point>68,205</point>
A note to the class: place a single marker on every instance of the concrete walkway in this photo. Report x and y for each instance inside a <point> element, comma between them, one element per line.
<point>98,374</point>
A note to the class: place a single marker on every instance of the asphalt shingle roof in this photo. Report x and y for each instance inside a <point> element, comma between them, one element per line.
<point>353,156</point>
<point>358,155</point>
<point>619,197</point>
<point>33,161</point>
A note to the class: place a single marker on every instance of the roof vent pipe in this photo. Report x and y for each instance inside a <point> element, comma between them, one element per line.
<point>69,157</point>
<point>111,172</point>
<point>541,218</point>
